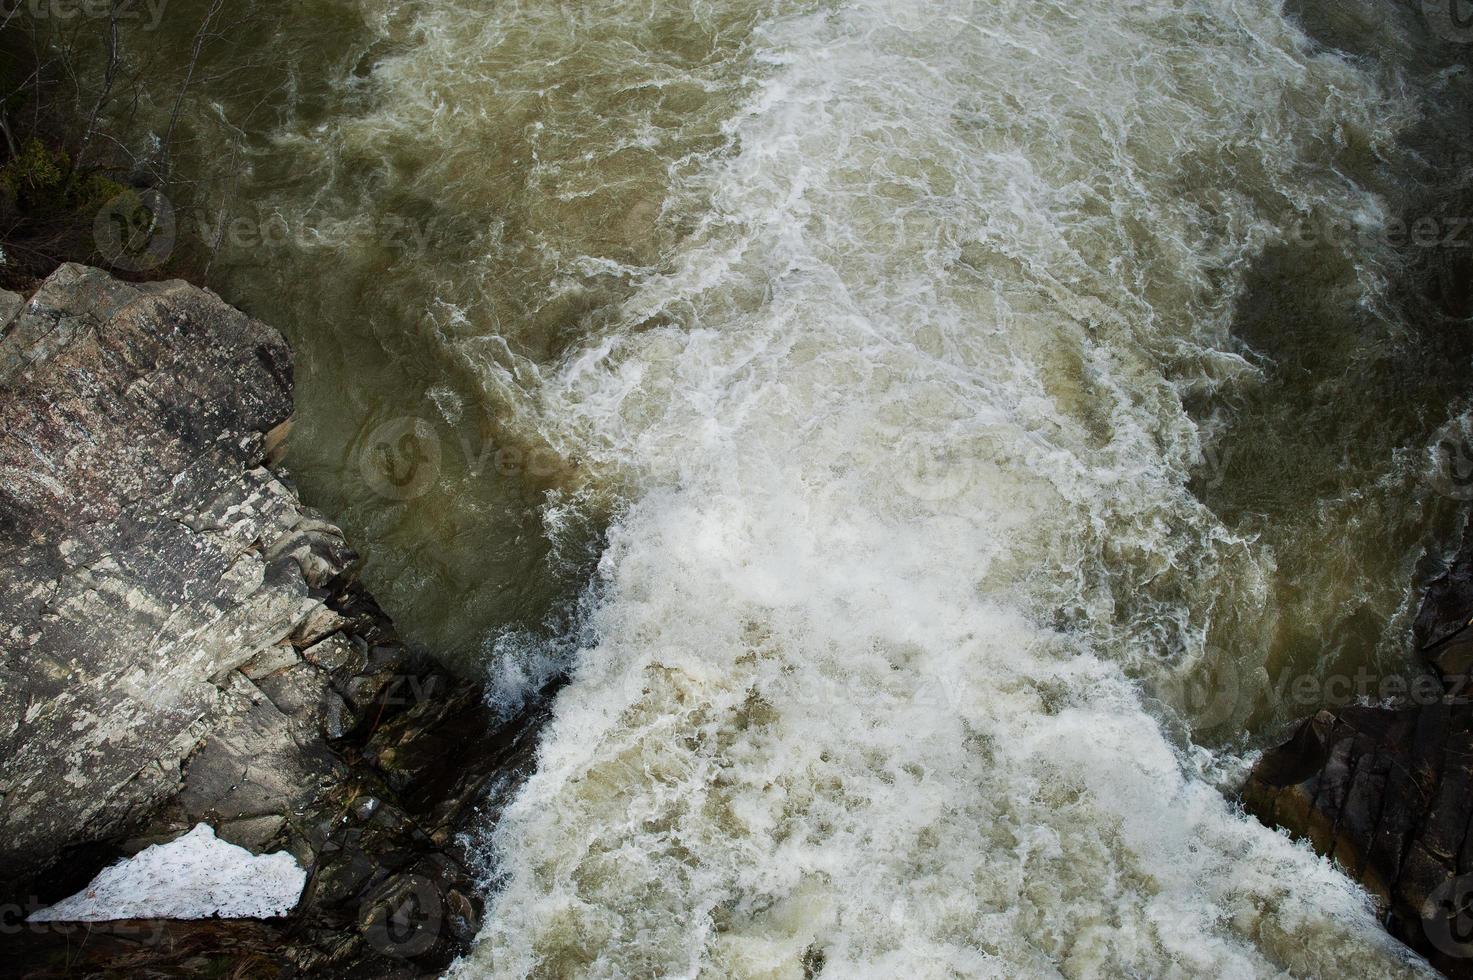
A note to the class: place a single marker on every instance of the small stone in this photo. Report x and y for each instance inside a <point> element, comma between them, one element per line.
<point>464,922</point>
<point>337,718</point>
<point>336,653</point>
<point>365,808</point>
<point>253,833</point>
<point>320,623</point>
<point>273,443</point>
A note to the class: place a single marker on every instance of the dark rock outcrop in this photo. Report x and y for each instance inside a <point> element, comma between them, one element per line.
<point>1442,631</point>
<point>1387,791</point>
<point>184,641</point>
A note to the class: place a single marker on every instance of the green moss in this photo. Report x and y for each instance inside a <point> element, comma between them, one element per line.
<point>41,179</point>
<point>95,190</point>
<point>36,171</point>
<point>49,208</point>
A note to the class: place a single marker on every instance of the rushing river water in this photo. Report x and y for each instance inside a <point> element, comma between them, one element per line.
<point>931,432</point>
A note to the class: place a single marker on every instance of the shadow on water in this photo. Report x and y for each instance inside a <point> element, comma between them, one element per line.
<point>1327,460</point>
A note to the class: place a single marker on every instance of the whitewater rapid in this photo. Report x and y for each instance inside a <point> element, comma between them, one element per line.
<point>876,676</point>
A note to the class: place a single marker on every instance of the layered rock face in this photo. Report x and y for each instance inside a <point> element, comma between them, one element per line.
<point>1387,791</point>
<point>148,557</point>
<point>183,641</point>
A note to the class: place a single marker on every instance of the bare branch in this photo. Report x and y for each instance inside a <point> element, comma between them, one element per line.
<point>200,37</point>
<point>109,76</point>
<point>9,137</point>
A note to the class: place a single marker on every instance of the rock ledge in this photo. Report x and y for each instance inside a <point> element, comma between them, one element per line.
<point>185,642</point>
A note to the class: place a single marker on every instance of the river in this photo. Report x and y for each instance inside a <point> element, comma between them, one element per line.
<point>936,436</point>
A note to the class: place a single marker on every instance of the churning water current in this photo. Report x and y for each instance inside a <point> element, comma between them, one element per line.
<point>923,428</point>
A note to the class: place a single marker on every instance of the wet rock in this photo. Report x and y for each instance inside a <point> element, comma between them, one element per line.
<point>1387,791</point>
<point>184,641</point>
<point>1443,631</point>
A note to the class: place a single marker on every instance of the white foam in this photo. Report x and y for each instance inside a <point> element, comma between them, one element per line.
<point>908,530</point>
<point>197,876</point>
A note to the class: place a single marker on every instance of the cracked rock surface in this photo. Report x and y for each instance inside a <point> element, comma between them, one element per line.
<point>181,640</point>
<point>147,557</point>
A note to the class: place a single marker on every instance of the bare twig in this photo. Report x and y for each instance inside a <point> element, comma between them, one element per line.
<point>109,76</point>
<point>200,36</point>
<point>9,136</point>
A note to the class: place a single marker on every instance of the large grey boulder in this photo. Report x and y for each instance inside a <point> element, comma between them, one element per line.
<point>182,641</point>
<point>147,555</point>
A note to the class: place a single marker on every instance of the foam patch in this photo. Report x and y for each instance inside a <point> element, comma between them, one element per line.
<point>197,876</point>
